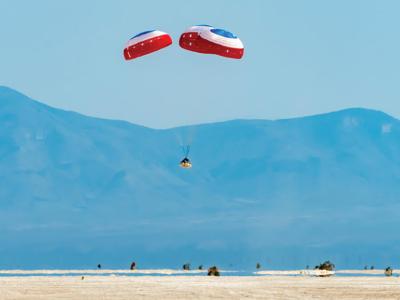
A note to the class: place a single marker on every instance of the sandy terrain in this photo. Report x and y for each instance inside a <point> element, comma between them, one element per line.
<point>198,287</point>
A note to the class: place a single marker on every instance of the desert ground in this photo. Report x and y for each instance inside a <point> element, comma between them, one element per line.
<point>119,286</point>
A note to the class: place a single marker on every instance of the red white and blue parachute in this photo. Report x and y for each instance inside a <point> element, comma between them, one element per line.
<point>145,43</point>
<point>209,40</point>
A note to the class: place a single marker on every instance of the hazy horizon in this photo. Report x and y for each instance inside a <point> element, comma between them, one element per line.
<point>204,123</point>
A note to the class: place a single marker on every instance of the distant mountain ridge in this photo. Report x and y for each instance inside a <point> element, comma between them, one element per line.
<point>77,190</point>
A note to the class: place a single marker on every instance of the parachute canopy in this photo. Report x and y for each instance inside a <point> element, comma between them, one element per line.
<point>209,40</point>
<point>145,43</point>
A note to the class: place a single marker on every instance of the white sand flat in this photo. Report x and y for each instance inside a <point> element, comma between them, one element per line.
<point>198,287</point>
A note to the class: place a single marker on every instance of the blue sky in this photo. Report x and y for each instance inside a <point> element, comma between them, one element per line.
<point>301,57</point>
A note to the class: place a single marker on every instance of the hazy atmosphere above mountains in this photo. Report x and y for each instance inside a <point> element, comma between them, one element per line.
<point>77,190</point>
<point>301,58</point>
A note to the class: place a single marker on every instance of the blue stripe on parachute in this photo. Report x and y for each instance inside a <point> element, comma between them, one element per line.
<point>142,33</point>
<point>224,33</point>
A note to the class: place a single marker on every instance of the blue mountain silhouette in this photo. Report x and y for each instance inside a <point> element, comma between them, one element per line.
<point>78,190</point>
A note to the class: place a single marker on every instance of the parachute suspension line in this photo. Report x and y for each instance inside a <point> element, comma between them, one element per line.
<point>185,150</point>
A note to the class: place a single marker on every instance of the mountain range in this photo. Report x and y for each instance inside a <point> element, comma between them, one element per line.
<point>76,190</point>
